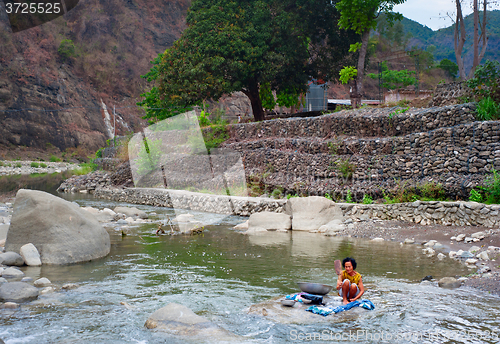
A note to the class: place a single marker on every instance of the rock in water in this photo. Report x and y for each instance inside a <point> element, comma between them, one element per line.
<point>310,213</point>
<point>269,221</point>
<point>17,292</point>
<point>30,255</point>
<point>179,320</point>
<point>60,230</point>
<point>11,259</point>
<point>449,282</point>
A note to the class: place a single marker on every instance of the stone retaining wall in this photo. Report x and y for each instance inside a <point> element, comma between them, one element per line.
<point>362,123</point>
<point>219,204</point>
<point>424,213</point>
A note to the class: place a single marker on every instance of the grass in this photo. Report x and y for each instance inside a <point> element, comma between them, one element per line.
<point>53,158</point>
<point>34,164</point>
<point>85,168</point>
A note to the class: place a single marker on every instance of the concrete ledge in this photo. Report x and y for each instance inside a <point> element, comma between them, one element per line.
<point>424,213</point>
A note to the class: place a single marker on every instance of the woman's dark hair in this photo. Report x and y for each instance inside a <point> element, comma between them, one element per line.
<point>353,262</point>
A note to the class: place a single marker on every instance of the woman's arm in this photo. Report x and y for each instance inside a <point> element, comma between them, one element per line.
<point>339,282</point>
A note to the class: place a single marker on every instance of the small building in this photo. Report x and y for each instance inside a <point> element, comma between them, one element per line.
<point>394,96</point>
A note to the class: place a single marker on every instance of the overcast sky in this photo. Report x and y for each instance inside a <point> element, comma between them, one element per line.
<point>432,13</point>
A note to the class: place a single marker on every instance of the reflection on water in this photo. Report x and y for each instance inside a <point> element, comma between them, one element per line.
<point>221,273</point>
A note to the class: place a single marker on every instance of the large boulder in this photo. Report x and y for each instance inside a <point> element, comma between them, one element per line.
<point>17,292</point>
<point>449,283</point>
<point>268,221</point>
<point>60,230</point>
<point>310,213</point>
<point>179,320</point>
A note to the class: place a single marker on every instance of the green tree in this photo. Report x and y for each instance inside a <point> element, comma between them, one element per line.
<point>392,79</point>
<point>360,16</point>
<point>234,46</point>
<point>450,67</point>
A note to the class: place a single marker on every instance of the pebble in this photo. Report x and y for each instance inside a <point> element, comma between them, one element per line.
<point>441,256</point>
<point>471,261</point>
<point>460,237</point>
<point>409,241</point>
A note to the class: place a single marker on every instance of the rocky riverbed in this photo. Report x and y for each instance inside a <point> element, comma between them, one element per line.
<point>485,274</point>
<point>8,168</point>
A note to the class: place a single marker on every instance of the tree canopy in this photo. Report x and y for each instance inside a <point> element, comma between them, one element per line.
<point>234,46</point>
<point>360,16</point>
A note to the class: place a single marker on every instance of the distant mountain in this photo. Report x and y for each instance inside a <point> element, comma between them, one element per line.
<point>442,39</point>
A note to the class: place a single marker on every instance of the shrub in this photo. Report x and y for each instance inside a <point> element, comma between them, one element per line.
<point>204,119</point>
<point>277,193</point>
<point>327,196</point>
<point>348,197</point>
<point>43,165</point>
<point>54,158</point>
<point>34,164</point>
<point>66,49</point>
<point>367,199</point>
<point>346,168</point>
<point>475,196</point>
<point>433,191</point>
<point>492,188</point>
<point>487,109</point>
<point>18,164</point>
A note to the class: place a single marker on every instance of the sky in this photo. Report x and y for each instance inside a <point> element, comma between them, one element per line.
<point>432,13</point>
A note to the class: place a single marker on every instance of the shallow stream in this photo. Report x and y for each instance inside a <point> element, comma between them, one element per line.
<point>221,273</point>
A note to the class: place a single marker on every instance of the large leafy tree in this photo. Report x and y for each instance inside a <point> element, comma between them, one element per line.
<point>361,16</point>
<point>243,45</point>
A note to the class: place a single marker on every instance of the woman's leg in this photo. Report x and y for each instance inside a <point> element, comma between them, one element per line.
<point>346,286</point>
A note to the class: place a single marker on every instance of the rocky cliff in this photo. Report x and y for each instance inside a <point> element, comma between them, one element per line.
<point>60,81</point>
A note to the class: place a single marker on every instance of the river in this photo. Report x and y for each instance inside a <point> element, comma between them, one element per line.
<point>221,273</point>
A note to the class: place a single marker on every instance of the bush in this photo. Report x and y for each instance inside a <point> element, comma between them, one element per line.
<point>367,199</point>
<point>492,188</point>
<point>277,193</point>
<point>34,164</point>
<point>18,164</point>
<point>346,168</point>
<point>485,82</point>
<point>475,196</point>
<point>487,109</point>
<point>432,192</point>
<point>54,158</point>
<point>66,49</point>
<point>43,165</point>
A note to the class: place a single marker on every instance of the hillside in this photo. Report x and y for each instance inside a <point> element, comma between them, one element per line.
<point>114,42</point>
<point>442,39</point>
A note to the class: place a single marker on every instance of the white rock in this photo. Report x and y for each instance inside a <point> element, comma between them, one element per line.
<point>452,254</point>
<point>377,239</point>
<point>441,256</point>
<point>430,243</point>
<point>42,282</point>
<point>242,226</point>
<point>30,255</point>
<point>91,210</point>
<point>12,273</point>
<point>474,249</point>
<point>428,251</point>
<point>479,235</point>
<point>184,218</point>
<point>47,290</point>
<point>438,246</point>
<point>460,237</point>
<point>130,220</point>
<point>108,211</point>
<point>471,261</point>
<point>409,241</point>
<point>493,249</point>
<point>453,238</point>
<point>483,256</point>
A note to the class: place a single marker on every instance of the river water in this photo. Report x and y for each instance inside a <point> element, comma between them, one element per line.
<point>221,273</point>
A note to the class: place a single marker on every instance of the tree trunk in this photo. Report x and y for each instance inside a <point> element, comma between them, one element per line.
<point>361,66</point>
<point>475,36</point>
<point>459,40</point>
<point>253,94</point>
